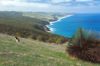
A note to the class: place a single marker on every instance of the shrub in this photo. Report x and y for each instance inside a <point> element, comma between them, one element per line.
<point>34,37</point>
<point>61,40</point>
<point>83,46</point>
<point>51,40</point>
<point>40,38</point>
<point>18,34</point>
<point>30,37</point>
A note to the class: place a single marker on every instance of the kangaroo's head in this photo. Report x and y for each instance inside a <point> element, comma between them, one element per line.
<point>16,37</point>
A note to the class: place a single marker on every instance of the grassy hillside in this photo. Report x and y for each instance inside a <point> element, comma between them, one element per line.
<point>17,19</point>
<point>45,16</point>
<point>18,15</point>
<point>34,53</point>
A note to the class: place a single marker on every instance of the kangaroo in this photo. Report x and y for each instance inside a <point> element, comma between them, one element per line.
<point>17,39</point>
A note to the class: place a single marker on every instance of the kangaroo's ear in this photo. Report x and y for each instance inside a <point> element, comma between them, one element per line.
<point>15,36</point>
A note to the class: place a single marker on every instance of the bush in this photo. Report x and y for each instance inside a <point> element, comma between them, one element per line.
<point>61,40</point>
<point>40,38</point>
<point>83,46</point>
<point>51,40</point>
<point>18,34</point>
<point>30,37</point>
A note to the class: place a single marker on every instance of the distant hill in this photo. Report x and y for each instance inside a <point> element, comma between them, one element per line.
<point>33,53</point>
<point>45,16</point>
<point>18,15</point>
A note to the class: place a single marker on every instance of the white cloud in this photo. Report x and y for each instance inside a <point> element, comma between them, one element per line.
<point>66,4</point>
<point>83,9</point>
<point>83,0</point>
<point>26,6</point>
<point>12,0</point>
<point>23,4</point>
<point>21,0</point>
<point>68,0</point>
<point>59,1</point>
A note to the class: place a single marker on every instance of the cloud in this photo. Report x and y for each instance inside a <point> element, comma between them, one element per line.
<point>57,6</point>
<point>66,4</point>
<point>26,6</point>
<point>83,0</point>
<point>23,4</point>
<point>83,9</point>
<point>59,1</point>
<point>20,0</point>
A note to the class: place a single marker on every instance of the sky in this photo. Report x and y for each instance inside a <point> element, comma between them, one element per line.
<point>66,6</point>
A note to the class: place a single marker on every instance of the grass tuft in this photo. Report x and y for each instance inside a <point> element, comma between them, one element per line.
<point>84,46</point>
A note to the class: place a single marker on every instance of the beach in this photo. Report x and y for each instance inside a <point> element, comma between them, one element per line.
<point>51,23</point>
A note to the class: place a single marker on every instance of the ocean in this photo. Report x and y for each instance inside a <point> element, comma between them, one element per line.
<point>68,26</point>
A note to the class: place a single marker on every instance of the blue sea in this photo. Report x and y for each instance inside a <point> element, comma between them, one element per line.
<point>67,26</point>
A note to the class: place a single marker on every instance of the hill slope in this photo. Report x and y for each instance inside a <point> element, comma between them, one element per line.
<point>17,19</point>
<point>45,16</point>
<point>34,53</point>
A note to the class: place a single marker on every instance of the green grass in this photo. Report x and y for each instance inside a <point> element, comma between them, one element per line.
<point>34,53</point>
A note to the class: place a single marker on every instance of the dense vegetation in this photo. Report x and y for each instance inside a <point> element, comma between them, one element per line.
<point>84,46</point>
<point>13,23</point>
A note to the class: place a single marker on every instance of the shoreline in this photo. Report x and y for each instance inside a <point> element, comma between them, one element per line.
<point>51,23</point>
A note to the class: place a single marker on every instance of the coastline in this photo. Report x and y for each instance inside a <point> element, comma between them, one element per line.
<point>51,23</point>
